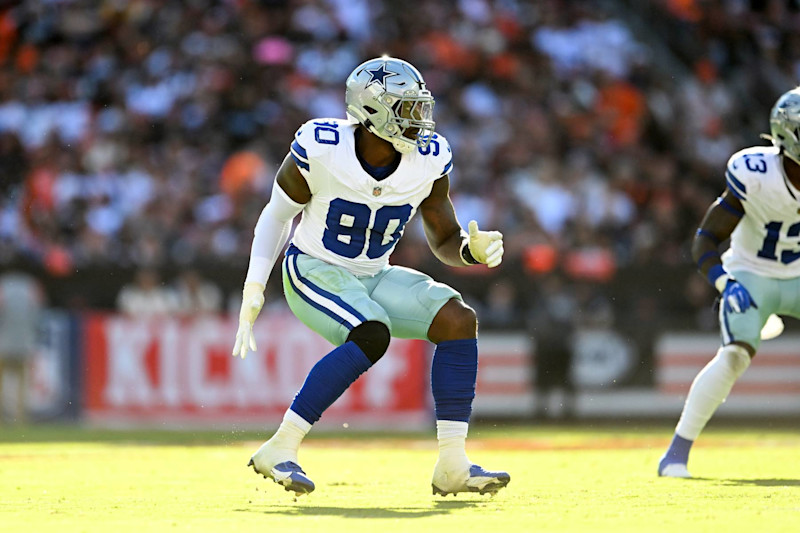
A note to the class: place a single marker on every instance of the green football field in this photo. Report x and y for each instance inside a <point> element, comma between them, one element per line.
<point>562,479</point>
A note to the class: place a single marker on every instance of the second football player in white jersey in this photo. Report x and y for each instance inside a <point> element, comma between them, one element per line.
<point>357,183</point>
<point>758,277</point>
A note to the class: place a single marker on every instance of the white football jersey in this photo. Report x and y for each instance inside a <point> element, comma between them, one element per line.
<point>352,219</point>
<point>767,239</point>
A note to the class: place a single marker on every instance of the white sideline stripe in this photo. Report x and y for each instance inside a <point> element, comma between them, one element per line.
<point>502,346</point>
<point>321,300</point>
<point>500,374</point>
<point>503,404</point>
<point>686,374</point>
<point>694,343</point>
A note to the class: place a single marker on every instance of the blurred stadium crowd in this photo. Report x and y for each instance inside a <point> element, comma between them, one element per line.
<point>139,138</point>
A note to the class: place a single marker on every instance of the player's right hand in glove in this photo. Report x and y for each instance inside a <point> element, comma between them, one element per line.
<point>252,301</point>
<point>736,298</point>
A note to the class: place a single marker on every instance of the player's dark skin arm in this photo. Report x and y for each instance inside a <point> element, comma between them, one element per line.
<point>292,182</point>
<point>720,223</point>
<point>442,229</point>
<point>455,320</point>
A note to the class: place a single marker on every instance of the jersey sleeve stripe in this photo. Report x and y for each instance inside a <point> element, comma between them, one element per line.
<point>300,163</point>
<point>736,193</point>
<point>299,150</point>
<point>299,155</point>
<point>729,208</point>
<point>447,167</point>
<point>735,185</point>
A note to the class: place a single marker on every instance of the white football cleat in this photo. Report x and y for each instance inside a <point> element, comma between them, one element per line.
<point>674,470</point>
<point>280,465</point>
<point>470,479</point>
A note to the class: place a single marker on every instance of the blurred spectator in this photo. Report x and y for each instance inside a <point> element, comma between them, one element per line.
<point>146,296</point>
<point>196,295</point>
<point>503,307</point>
<point>551,324</point>
<point>14,162</point>
<point>21,302</point>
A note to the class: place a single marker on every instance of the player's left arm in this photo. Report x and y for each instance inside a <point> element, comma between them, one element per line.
<point>448,242</point>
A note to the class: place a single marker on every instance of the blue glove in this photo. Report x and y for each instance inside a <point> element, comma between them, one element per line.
<point>735,297</point>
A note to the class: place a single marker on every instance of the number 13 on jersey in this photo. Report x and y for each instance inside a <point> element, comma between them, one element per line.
<point>770,244</point>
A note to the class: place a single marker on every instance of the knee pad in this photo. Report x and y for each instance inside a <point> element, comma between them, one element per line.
<point>735,357</point>
<point>372,337</point>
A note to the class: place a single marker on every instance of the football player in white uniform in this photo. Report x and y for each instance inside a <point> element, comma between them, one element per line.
<point>357,182</point>
<point>758,277</point>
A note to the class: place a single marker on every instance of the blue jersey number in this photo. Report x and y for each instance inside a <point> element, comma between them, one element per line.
<point>770,244</point>
<point>347,224</point>
<point>755,163</point>
<point>326,132</point>
<point>432,146</point>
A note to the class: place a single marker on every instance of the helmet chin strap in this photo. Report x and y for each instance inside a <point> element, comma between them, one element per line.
<point>401,146</point>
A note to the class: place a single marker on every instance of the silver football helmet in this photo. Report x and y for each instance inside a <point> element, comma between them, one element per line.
<point>784,124</point>
<point>388,96</point>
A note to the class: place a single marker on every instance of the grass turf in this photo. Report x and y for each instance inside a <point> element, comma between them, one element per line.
<point>562,479</point>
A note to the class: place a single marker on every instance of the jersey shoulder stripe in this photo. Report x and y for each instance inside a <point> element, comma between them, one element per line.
<point>315,141</point>
<point>751,170</point>
<point>299,155</point>
<point>738,188</point>
<point>448,167</point>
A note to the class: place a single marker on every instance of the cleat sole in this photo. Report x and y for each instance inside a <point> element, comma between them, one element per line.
<point>491,488</point>
<point>287,484</point>
<point>436,490</point>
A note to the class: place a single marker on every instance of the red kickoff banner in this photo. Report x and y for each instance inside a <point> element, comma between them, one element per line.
<point>181,372</point>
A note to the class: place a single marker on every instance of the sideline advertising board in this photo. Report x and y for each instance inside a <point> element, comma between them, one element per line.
<point>179,372</point>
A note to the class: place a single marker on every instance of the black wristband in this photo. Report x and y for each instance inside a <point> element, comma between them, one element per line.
<point>466,255</point>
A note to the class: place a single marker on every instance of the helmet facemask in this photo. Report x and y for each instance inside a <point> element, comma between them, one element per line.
<point>388,96</point>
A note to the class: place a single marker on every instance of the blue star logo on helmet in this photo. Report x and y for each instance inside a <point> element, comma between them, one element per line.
<point>379,75</point>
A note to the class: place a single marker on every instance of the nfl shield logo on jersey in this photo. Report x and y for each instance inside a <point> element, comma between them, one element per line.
<point>376,191</point>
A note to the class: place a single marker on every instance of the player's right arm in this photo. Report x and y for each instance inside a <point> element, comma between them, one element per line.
<point>292,182</point>
<point>290,193</point>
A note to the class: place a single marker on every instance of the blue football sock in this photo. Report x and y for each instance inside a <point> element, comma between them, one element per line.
<point>678,451</point>
<point>453,375</point>
<point>328,379</point>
